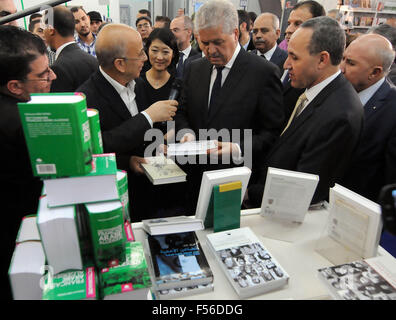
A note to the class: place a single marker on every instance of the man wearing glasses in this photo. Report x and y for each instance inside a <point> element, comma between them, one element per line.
<point>144,27</point>
<point>182,28</point>
<point>111,90</point>
<point>24,70</point>
<point>7,7</point>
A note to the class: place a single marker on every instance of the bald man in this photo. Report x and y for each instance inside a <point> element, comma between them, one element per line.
<point>111,90</point>
<point>7,7</point>
<point>366,63</point>
<point>266,32</point>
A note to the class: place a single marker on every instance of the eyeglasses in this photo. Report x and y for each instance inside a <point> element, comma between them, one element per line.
<point>141,26</point>
<point>46,78</point>
<point>4,13</point>
<point>142,56</point>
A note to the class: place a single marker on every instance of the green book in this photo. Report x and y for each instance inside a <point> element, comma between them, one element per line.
<point>106,224</point>
<point>125,291</point>
<point>57,135</point>
<point>74,285</point>
<point>122,185</point>
<point>94,128</point>
<point>133,270</point>
<point>224,210</point>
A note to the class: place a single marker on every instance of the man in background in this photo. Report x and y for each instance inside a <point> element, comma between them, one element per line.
<point>144,27</point>
<point>84,38</point>
<point>72,65</point>
<point>162,22</point>
<point>96,21</point>
<point>265,35</point>
<point>244,30</point>
<point>143,13</point>
<point>24,70</point>
<point>37,27</point>
<point>182,28</point>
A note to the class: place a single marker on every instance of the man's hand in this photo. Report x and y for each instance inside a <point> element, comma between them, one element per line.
<point>187,138</point>
<point>224,148</point>
<point>162,110</point>
<point>135,164</point>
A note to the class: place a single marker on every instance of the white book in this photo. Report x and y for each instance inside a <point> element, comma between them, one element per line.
<point>25,272</point>
<point>162,170</point>
<point>59,236</point>
<point>288,194</point>
<point>248,265</point>
<point>190,148</point>
<point>127,292</point>
<point>354,221</point>
<point>369,279</point>
<point>216,177</point>
<point>28,230</point>
<point>172,225</point>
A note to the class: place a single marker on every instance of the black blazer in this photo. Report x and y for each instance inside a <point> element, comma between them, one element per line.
<point>290,97</point>
<point>278,58</point>
<point>320,140</point>
<point>121,133</point>
<point>72,67</point>
<point>250,98</point>
<point>374,163</point>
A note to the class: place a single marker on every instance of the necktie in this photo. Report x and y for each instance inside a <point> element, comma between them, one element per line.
<point>216,86</point>
<point>263,56</point>
<point>286,79</point>
<point>296,111</point>
<point>180,65</point>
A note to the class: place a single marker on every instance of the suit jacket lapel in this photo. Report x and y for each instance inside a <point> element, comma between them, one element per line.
<point>233,79</point>
<point>111,95</point>
<point>376,101</point>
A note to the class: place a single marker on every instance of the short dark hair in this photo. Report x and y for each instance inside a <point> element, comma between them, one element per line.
<point>386,31</point>
<point>165,19</point>
<point>252,15</point>
<point>243,16</point>
<point>327,36</point>
<point>18,48</point>
<point>314,7</point>
<point>63,21</point>
<point>143,18</point>
<point>34,16</point>
<point>167,37</point>
<point>76,8</point>
<point>145,11</point>
<point>32,24</point>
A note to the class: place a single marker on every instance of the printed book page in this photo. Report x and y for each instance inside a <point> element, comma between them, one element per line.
<point>191,147</point>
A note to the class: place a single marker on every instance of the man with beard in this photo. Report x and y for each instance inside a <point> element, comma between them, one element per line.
<point>85,37</point>
<point>265,34</point>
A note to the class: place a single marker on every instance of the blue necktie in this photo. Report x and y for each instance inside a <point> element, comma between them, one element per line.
<point>216,87</point>
<point>286,79</point>
<point>180,65</point>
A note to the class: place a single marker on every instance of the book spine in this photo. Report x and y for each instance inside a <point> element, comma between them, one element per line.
<point>108,237</point>
<point>96,134</point>
<point>122,186</point>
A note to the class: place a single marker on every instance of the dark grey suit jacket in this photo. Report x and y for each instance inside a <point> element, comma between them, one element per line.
<point>320,140</point>
<point>374,163</point>
<point>72,67</point>
<point>278,58</point>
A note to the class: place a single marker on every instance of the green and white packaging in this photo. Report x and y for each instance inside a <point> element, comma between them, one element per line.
<point>96,134</point>
<point>56,130</point>
<point>73,285</point>
<point>122,184</point>
<point>106,224</point>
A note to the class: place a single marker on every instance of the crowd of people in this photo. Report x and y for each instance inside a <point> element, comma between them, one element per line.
<point>312,103</point>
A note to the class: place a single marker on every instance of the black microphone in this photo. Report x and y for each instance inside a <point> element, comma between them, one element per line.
<point>175,90</point>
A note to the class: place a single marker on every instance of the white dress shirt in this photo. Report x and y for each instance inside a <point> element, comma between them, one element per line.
<point>268,54</point>
<point>127,94</point>
<point>366,94</point>
<point>59,50</point>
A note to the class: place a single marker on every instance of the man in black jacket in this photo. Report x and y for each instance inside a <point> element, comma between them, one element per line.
<point>24,70</point>
<point>72,65</point>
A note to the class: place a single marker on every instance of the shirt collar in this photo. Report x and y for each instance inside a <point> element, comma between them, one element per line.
<point>59,50</point>
<point>233,58</point>
<point>118,86</point>
<point>366,94</point>
<point>269,53</point>
<point>187,52</point>
<point>312,92</point>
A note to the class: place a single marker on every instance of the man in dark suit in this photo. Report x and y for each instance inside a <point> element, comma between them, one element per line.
<point>182,28</point>
<point>245,38</point>
<point>111,90</point>
<point>322,132</point>
<point>301,12</point>
<point>72,65</point>
<point>22,72</point>
<point>229,89</point>
<point>265,35</point>
<point>366,63</point>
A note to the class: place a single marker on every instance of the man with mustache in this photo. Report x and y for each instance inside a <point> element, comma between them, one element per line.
<point>266,32</point>
<point>229,89</point>
<point>84,38</point>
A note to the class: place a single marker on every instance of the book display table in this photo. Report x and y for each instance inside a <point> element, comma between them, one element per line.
<point>293,245</point>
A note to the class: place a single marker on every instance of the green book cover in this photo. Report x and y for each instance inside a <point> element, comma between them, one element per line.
<point>73,285</point>
<point>224,210</point>
<point>57,135</point>
<point>94,128</point>
<point>122,185</point>
<point>133,270</point>
<point>106,224</point>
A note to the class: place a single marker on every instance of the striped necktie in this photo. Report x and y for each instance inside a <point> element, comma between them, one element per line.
<point>297,110</point>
